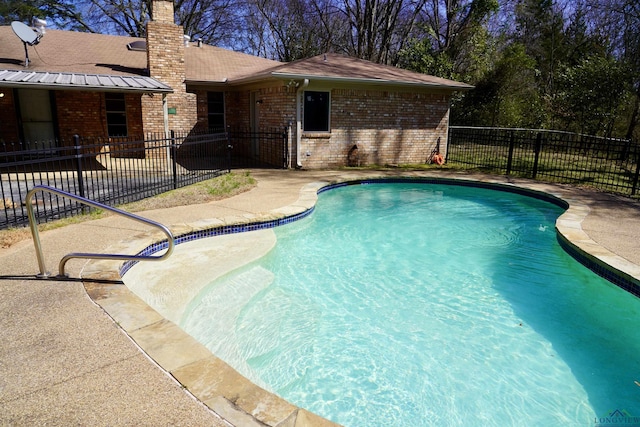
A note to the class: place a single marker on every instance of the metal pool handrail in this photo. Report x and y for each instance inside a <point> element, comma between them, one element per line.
<point>36,236</point>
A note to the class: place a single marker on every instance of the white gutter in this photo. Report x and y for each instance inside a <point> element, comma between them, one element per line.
<point>165,115</point>
<point>93,88</point>
<point>299,121</point>
<point>71,81</point>
<point>205,82</point>
<point>337,79</point>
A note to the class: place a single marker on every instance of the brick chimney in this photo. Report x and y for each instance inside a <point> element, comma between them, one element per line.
<point>166,63</point>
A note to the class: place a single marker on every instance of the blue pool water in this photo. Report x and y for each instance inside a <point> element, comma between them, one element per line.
<point>419,305</point>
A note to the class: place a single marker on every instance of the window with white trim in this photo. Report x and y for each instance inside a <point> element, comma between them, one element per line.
<point>316,111</point>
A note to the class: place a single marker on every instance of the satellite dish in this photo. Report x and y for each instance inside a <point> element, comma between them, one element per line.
<point>28,35</point>
<point>25,33</point>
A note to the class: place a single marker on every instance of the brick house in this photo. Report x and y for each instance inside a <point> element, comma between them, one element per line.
<point>338,109</point>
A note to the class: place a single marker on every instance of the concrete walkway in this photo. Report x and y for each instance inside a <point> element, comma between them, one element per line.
<point>64,361</point>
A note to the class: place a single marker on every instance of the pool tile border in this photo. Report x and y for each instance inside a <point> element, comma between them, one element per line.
<point>215,231</point>
<point>233,397</point>
<point>261,225</point>
<point>606,271</point>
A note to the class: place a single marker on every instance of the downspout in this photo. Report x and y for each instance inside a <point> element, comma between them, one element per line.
<point>446,145</point>
<point>165,119</point>
<point>299,121</point>
<point>165,115</point>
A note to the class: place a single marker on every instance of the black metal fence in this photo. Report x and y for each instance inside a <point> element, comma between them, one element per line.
<point>611,165</point>
<point>267,148</point>
<point>115,171</point>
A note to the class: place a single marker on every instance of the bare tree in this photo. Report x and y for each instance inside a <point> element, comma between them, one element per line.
<point>126,17</point>
<point>378,29</point>
<point>293,29</point>
<point>375,30</point>
<point>213,21</point>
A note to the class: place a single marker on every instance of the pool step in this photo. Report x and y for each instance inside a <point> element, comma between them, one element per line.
<point>212,321</point>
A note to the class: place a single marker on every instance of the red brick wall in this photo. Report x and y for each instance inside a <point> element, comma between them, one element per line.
<point>165,59</point>
<point>77,113</point>
<point>202,122</point>
<point>387,127</point>
<point>277,107</point>
<point>80,113</point>
<point>135,127</point>
<point>84,114</point>
<point>236,108</point>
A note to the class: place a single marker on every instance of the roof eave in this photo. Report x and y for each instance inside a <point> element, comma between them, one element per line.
<point>97,88</point>
<point>381,82</point>
<point>206,82</point>
<point>81,81</point>
<point>261,77</point>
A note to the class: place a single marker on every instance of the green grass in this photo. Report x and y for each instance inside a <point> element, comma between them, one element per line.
<point>570,168</point>
<point>220,187</point>
<point>230,184</point>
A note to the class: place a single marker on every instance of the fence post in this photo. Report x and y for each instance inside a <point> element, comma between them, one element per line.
<point>510,159</point>
<point>634,186</point>
<point>229,148</point>
<point>174,160</point>
<point>78,156</point>
<point>537,148</point>
<point>290,135</point>
<point>285,148</point>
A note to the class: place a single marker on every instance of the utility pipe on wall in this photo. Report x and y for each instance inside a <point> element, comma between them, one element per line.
<point>165,115</point>
<point>167,135</point>
<point>299,120</point>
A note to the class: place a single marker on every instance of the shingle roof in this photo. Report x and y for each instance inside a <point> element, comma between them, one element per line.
<point>101,54</point>
<point>336,67</point>
<point>214,64</point>
<point>73,52</point>
<point>71,60</point>
<point>62,54</point>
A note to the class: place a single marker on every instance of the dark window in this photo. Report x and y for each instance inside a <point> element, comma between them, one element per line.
<point>116,114</point>
<point>215,110</point>
<point>36,115</point>
<point>316,111</point>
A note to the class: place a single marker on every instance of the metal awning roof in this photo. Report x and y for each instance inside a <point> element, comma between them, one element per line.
<point>93,82</point>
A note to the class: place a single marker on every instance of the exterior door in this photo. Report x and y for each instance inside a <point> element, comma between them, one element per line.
<point>36,117</point>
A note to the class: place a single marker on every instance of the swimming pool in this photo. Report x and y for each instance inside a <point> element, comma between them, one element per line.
<point>487,322</point>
